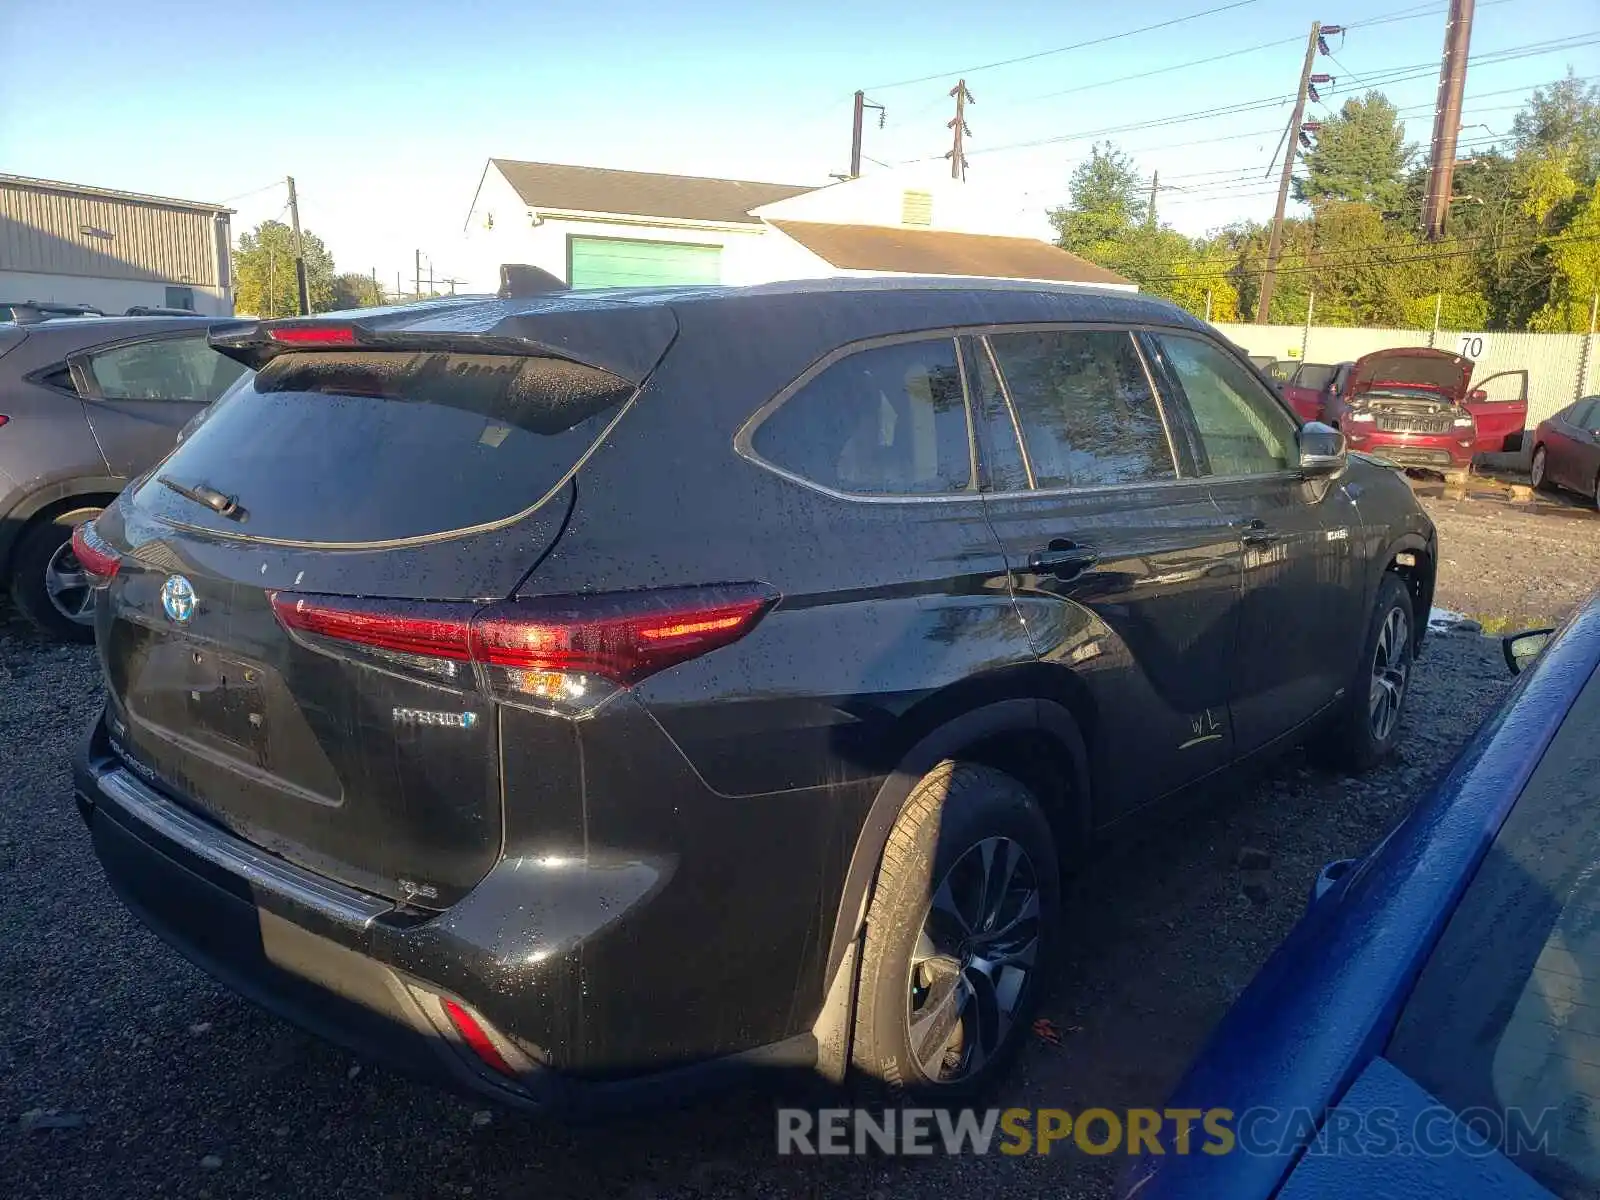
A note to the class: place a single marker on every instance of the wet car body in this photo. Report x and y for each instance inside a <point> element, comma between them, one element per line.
<point>558,902</point>
<point>1348,1063</point>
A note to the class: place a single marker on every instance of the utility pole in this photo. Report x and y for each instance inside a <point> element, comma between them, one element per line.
<point>430,277</point>
<point>302,284</point>
<point>1269,277</point>
<point>1150,213</point>
<point>1447,118</point>
<point>855,135</point>
<point>416,279</point>
<point>957,154</point>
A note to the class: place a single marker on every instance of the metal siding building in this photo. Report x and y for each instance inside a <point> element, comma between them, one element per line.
<point>68,244</point>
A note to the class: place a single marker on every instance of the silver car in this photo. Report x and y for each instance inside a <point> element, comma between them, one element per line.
<point>87,404</point>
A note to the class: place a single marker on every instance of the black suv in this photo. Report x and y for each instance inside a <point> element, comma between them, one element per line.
<point>557,694</point>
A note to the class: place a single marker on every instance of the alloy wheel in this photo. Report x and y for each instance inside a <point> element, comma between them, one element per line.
<point>973,960</point>
<point>1536,468</point>
<point>1391,670</point>
<point>67,585</point>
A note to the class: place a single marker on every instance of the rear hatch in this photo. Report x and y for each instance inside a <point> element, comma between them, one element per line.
<point>425,481</point>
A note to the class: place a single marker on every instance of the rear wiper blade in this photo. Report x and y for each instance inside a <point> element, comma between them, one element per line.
<point>218,502</point>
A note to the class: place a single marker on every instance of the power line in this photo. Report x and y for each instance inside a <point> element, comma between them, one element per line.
<point>1099,41</point>
<point>1395,75</point>
<point>252,192</point>
<point>1236,269</point>
<point>1193,62</point>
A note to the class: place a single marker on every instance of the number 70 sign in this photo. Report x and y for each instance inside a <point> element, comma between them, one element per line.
<point>1472,345</point>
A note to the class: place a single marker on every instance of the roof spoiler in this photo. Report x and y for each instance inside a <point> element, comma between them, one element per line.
<point>624,341</point>
<point>519,279</point>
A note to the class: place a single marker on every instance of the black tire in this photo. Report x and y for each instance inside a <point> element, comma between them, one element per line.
<point>29,564</point>
<point>957,811</point>
<point>1538,472</point>
<point>1356,739</point>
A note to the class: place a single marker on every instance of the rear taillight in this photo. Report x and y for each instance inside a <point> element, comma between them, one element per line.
<point>562,654</point>
<point>95,555</point>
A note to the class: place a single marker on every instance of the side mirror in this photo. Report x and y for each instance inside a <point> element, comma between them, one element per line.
<point>1330,874</point>
<point>1477,397</point>
<point>1522,648</point>
<point>1322,449</point>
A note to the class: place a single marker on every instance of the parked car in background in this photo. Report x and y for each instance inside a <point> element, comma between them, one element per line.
<point>1566,449</point>
<point>86,404</point>
<point>1306,389</point>
<point>1281,370</point>
<point>580,704</point>
<point>1420,407</point>
<point>1428,1028</point>
<point>31,312</point>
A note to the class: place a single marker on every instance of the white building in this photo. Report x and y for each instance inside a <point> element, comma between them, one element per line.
<point>63,243</point>
<point>595,227</point>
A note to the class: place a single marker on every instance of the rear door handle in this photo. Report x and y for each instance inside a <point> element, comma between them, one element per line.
<point>1063,559</point>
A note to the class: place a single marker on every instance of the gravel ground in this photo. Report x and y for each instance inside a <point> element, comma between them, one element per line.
<point>123,1069</point>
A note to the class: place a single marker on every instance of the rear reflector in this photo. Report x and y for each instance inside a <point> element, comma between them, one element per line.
<point>94,554</point>
<point>313,335</point>
<point>473,1034</point>
<point>560,654</point>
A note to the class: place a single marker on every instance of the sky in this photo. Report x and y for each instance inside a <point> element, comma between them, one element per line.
<point>385,112</point>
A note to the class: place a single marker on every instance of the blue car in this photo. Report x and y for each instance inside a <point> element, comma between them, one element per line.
<point>1431,1028</point>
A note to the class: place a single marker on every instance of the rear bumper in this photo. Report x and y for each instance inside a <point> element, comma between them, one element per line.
<point>1413,449</point>
<point>346,966</point>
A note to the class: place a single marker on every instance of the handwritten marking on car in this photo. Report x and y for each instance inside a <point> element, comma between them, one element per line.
<point>1205,727</point>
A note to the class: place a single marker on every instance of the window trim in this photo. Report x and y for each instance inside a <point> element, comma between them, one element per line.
<point>82,356</point>
<point>1180,400</point>
<point>1179,461</point>
<point>743,439</point>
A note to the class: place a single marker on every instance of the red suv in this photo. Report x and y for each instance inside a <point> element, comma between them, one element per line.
<point>1417,406</point>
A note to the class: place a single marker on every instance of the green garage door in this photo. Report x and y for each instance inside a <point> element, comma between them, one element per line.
<point>620,262</point>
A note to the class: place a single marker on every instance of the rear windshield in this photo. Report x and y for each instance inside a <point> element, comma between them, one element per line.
<point>364,447</point>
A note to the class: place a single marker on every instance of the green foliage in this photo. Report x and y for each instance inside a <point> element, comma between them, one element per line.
<point>1104,201</point>
<point>1523,250</point>
<point>263,272</point>
<point>355,291</point>
<point>1563,119</point>
<point>1359,155</point>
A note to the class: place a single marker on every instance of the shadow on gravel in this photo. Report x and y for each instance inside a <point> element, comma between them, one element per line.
<point>185,1090</point>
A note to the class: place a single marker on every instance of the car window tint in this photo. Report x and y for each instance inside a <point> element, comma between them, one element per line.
<point>184,368</point>
<point>1242,428</point>
<point>1586,415</point>
<point>889,421</point>
<point>374,445</point>
<point>1314,375</point>
<point>1002,434</point>
<point>1088,415</point>
<point>1506,1012</point>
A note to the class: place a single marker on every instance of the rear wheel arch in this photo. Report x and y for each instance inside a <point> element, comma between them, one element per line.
<point>50,502</point>
<point>1035,734</point>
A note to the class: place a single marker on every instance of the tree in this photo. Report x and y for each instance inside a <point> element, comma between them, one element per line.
<point>263,272</point>
<point>1575,259</point>
<point>1562,121</point>
<point>1104,201</point>
<point>1359,156</point>
<point>355,291</point>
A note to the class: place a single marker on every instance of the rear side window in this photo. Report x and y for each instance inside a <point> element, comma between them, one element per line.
<point>888,421</point>
<point>1088,415</point>
<point>176,368</point>
<point>364,447</point>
